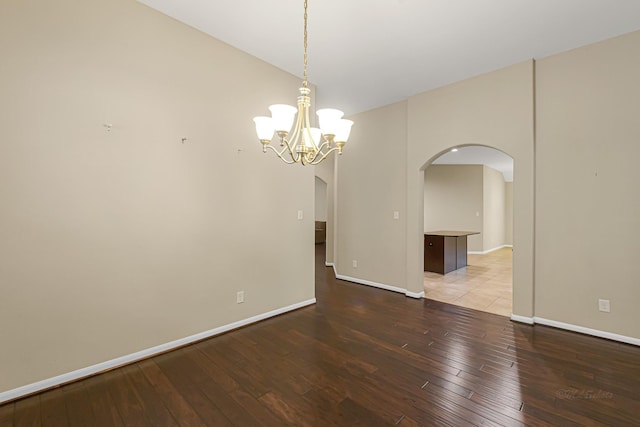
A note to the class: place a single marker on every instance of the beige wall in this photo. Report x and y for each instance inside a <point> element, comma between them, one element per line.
<point>466,197</point>
<point>493,219</point>
<point>454,200</point>
<point>370,187</point>
<point>587,198</point>
<point>585,156</point>
<point>495,110</point>
<point>508,213</point>
<point>320,200</point>
<point>114,242</point>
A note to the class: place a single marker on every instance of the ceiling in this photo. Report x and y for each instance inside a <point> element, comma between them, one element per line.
<point>365,54</point>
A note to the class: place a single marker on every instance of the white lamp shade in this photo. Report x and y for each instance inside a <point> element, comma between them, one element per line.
<point>283,116</point>
<point>344,130</point>
<point>264,127</point>
<point>329,118</point>
<point>315,135</point>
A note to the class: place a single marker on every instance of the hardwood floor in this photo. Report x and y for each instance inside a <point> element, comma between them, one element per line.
<point>485,284</point>
<point>361,357</point>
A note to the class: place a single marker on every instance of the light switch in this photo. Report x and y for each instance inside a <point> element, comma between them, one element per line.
<point>396,215</point>
<point>300,214</point>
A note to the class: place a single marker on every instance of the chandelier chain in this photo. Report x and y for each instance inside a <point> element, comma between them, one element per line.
<point>304,82</point>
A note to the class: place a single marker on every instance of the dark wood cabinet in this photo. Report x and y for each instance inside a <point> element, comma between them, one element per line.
<point>445,251</point>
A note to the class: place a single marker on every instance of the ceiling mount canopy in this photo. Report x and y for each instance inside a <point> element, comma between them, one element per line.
<point>303,144</point>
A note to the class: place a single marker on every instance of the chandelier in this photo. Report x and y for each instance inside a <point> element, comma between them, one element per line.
<point>306,145</point>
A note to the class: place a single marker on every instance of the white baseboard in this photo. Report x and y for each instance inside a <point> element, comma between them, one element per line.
<point>416,295</point>
<point>523,319</point>
<point>588,331</point>
<point>328,264</point>
<point>575,328</point>
<point>143,354</point>
<point>370,283</point>
<point>381,286</point>
<point>489,251</point>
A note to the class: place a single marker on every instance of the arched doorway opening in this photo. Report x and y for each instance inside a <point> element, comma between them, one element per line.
<point>470,188</point>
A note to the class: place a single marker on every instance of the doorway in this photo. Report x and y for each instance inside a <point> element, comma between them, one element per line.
<point>321,211</point>
<point>471,188</point>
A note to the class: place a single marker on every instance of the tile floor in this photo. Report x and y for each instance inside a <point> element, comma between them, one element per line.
<point>484,284</point>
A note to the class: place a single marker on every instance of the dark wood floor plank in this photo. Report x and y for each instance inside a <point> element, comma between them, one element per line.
<point>237,367</point>
<point>466,409</point>
<point>53,411</point>
<point>555,418</point>
<point>361,356</point>
<point>125,399</point>
<point>153,406</point>
<point>79,411</point>
<point>289,414</point>
<point>323,410</point>
<point>27,412</point>
<point>6,414</point>
<point>178,373</point>
<point>103,407</point>
<point>211,369</point>
<point>201,373</point>
<point>408,422</point>
<point>227,403</point>
<point>173,399</point>
<point>358,415</point>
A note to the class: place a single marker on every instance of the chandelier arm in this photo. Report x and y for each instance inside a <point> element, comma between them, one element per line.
<point>284,142</point>
<point>325,144</point>
<point>295,137</point>
<point>320,152</point>
<point>307,128</point>
<point>317,160</point>
<point>290,148</point>
<point>280,154</point>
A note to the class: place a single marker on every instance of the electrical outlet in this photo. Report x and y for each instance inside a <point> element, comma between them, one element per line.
<point>396,215</point>
<point>355,263</point>
<point>240,297</point>
<point>604,305</point>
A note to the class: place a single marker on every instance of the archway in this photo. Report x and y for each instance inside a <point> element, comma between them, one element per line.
<point>494,109</point>
<point>523,213</point>
<point>470,188</point>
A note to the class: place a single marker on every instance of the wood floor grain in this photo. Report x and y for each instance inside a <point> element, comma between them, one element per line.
<point>361,357</point>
